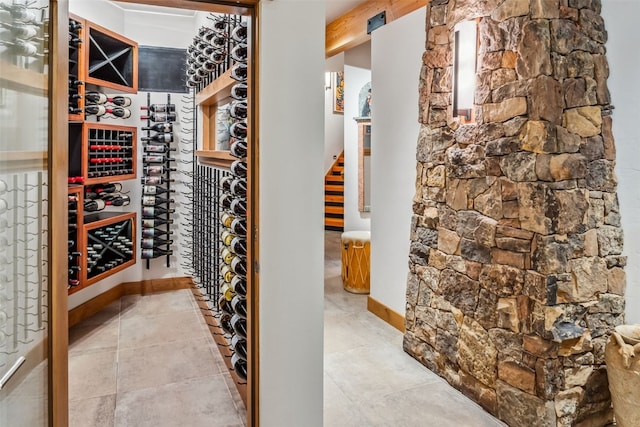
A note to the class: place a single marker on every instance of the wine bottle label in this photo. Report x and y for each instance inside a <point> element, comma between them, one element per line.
<point>152,180</point>
<point>154,159</point>
<point>154,170</point>
<point>149,200</point>
<point>150,189</point>
<point>148,211</point>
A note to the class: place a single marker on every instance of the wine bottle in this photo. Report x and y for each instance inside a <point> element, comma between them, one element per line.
<point>160,127</point>
<point>239,325</point>
<point>238,109</point>
<point>121,101</point>
<point>226,273</point>
<point>225,200</point>
<point>74,41</point>
<point>95,97</point>
<point>20,30</point>
<point>74,26</point>
<point>227,292</point>
<point>100,110</point>
<point>154,243</point>
<point>218,57</point>
<point>155,200</point>
<point>154,253</point>
<point>239,33</point>
<point>227,237</point>
<point>240,53</point>
<point>155,180</point>
<point>73,110</point>
<point>157,158</point>
<point>239,187</point>
<point>117,200</point>
<point>157,170</point>
<point>239,168</point>
<point>158,148</point>
<point>151,212</point>
<point>239,207</point>
<point>225,323</point>
<point>152,223</point>
<point>218,41</point>
<point>223,304</point>
<point>150,233</point>
<point>19,12</point>
<point>225,183</point>
<point>160,108</point>
<point>121,112</point>
<point>160,137</point>
<point>23,48</point>
<point>239,306</point>
<point>239,91</point>
<point>95,110</point>
<point>94,205</point>
<point>152,190</point>
<point>239,346</point>
<point>239,266</point>
<point>239,226</point>
<point>227,256</point>
<point>75,180</point>
<point>238,149</point>
<point>160,117</point>
<point>227,219</point>
<point>239,71</point>
<point>239,366</point>
<point>239,285</point>
<point>219,24</point>
<point>239,245</point>
<point>238,130</point>
<point>103,188</point>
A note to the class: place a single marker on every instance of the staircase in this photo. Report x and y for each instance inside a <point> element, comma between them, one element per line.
<point>334,196</point>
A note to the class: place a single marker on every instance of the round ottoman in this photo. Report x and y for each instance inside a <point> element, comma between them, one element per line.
<point>356,261</point>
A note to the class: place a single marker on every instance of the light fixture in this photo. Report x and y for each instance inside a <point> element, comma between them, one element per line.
<point>464,69</point>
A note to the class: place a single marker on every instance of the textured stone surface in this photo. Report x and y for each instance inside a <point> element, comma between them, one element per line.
<point>517,274</point>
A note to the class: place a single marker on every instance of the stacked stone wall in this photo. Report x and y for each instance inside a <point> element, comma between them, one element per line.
<point>516,275</point>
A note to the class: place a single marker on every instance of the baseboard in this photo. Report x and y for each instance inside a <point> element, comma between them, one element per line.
<point>143,287</point>
<point>387,314</point>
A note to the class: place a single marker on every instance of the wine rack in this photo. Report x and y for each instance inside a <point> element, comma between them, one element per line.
<point>76,68</point>
<point>112,60</point>
<point>109,239</point>
<point>102,153</point>
<point>222,195</point>
<point>75,195</point>
<point>156,193</point>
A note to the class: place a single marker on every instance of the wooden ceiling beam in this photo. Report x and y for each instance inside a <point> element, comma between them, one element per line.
<point>236,7</point>
<point>350,29</point>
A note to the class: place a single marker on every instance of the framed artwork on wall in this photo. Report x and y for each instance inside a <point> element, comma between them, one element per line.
<point>338,92</point>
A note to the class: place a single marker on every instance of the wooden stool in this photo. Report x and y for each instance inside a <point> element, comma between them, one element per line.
<point>356,261</point>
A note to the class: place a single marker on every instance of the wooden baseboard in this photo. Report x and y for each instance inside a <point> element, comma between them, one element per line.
<point>143,287</point>
<point>390,316</point>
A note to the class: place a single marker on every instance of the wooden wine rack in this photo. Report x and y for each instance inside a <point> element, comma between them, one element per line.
<point>101,153</point>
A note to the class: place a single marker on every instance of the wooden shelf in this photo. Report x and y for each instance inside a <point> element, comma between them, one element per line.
<point>23,79</point>
<point>217,91</point>
<point>215,158</point>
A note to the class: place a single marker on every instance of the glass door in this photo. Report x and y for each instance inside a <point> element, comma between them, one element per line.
<point>24,281</point>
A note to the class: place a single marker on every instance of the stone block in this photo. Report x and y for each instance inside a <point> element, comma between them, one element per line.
<point>521,409</point>
<point>534,50</point>
<point>545,9</point>
<point>519,167</point>
<point>502,280</point>
<point>545,100</point>
<point>460,291</point>
<point>607,136</point>
<point>505,110</point>
<point>543,167</point>
<point>483,395</point>
<point>473,251</point>
<point>501,77</point>
<point>567,401</point>
<point>616,281</point>
<point>517,376</point>
<point>502,146</point>
<point>446,344</point>
<point>540,347</point>
<point>465,162</point>
<point>509,9</point>
<point>610,240</point>
<point>535,201</point>
<point>549,378</point>
<point>476,353</point>
<point>579,92</point>
<point>490,202</point>
<point>514,259</point>
<point>538,137</point>
<point>508,314</point>
<point>572,206</point>
<point>578,376</point>
<point>592,24</point>
<point>567,142</point>
<point>584,121</point>
<point>413,284</point>
<point>588,279</point>
<point>551,255</point>
<point>593,148</point>
<point>486,314</point>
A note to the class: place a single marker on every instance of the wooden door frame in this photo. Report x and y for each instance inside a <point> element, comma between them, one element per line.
<point>57,163</point>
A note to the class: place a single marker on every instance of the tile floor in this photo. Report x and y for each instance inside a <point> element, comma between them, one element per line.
<point>150,361</point>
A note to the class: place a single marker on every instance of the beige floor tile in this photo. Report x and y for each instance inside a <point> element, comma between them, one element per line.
<point>107,314</point>
<point>141,331</point>
<point>164,364</point>
<point>372,371</point>
<point>94,412</point>
<point>92,374</point>
<point>94,337</point>
<point>339,410</point>
<point>436,402</point>
<point>197,402</point>
<point>156,304</point>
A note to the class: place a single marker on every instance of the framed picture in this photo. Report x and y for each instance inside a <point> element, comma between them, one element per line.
<point>338,92</point>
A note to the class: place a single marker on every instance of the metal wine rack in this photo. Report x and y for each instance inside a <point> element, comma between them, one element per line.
<point>76,86</point>
<point>159,181</point>
<point>110,152</point>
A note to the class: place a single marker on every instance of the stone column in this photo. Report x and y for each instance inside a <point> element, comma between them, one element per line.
<point>516,275</point>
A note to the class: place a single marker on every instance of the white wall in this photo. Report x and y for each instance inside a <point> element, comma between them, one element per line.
<point>159,29</point>
<point>333,123</point>
<point>291,212</point>
<point>357,73</point>
<point>621,20</point>
<point>397,50</point>
<point>102,13</point>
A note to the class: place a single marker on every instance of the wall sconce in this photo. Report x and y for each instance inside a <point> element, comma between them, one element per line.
<point>464,69</point>
<point>327,80</point>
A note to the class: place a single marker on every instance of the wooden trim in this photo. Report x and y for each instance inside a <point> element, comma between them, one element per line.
<point>253,226</point>
<point>216,158</point>
<point>350,29</point>
<point>58,341</point>
<point>234,7</point>
<point>218,90</point>
<point>387,314</point>
<point>144,287</point>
